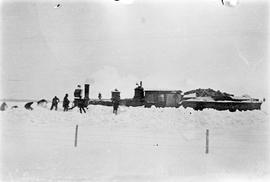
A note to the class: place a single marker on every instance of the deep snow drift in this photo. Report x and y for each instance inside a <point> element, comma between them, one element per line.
<point>138,144</point>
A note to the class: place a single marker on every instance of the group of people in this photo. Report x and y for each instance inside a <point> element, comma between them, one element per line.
<point>56,100</point>
<point>78,101</point>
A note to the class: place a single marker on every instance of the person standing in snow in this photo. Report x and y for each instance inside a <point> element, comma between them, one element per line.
<point>81,105</point>
<point>3,107</point>
<point>115,106</point>
<point>65,103</point>
<point>55,102</point>
<point>99,96</point>
<point>115,100</point>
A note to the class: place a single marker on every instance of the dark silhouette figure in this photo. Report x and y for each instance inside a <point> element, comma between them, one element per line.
<point>42,101</point>
<point>28,106</point>
<point>55,102</point>
<point>115,106</point>
<point>115,100</point>
<point>78,101</point>
<point>65,103</point>
<point>3,106</point>
<point>81,105</point>
<point>99,96</point>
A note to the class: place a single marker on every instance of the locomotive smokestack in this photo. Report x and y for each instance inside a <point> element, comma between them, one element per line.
<point>86,91</point>
<point>141,83</point>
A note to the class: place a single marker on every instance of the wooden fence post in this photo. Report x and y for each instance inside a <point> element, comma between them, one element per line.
<point>76,136</point>
<point>207,142</point>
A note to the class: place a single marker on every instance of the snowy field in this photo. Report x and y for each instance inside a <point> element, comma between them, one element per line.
<point>138,144</point>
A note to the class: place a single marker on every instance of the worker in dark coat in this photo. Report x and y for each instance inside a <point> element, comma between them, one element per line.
<point>28,106</point>
<point>81,105</point>
<point>3,107</point>
<point>42,101</point>
<point>115,105</point>
<point>55,102</point>
<point>99,96</point>
<point>65,103</point>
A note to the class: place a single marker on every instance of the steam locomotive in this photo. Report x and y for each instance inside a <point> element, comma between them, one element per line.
<point>205,98</point>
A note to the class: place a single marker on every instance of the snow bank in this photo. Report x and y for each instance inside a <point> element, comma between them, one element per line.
<point>138,144</point>
<point>139,116</point>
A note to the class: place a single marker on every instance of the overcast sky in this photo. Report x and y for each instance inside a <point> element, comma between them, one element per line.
<point>184,45</point>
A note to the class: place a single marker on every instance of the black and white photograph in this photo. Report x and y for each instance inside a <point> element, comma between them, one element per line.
<point>134,90</point>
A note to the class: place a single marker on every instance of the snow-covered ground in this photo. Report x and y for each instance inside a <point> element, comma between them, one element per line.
<point>138,144</point>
